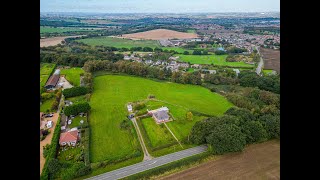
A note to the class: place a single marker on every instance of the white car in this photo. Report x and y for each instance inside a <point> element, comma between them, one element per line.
<point>70,121</point>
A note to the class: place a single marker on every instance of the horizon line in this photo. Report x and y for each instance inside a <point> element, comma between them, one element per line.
<point>160,12</point>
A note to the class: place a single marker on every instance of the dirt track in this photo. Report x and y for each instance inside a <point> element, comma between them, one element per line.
<point>258,161</point>
<point>53,41</point>
<point>48,139</point>
<point>158,34</point>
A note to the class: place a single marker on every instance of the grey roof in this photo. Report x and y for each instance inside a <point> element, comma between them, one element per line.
<point>161,115</point>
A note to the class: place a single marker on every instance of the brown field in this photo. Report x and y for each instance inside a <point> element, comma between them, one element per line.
<point>271,59</point>
<point>53,41</point>
<point>257,161</point>
<point>158,34</point>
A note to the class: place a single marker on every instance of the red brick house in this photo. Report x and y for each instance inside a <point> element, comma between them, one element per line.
<point>69,138</point>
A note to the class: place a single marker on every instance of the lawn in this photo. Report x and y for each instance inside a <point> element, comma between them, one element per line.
<point>219,60</point>
<point>108,103</point>
<point>45,71</point>
<point>46,29</point>
<point>76,121</point>
<point>73,75</point>
<point>69,155</point>
<point>77,99</point>
<point>157,134</point>
<point>118,42</point>
<point>46,105</point>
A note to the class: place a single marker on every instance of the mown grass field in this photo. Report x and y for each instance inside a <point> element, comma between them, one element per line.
<point>113,92</point>
<point>73,75</point>
<point>46,29</point>
<point>45,71</point>
<point>119,43</point>
<point>77,99</point>
<point>219,60</point>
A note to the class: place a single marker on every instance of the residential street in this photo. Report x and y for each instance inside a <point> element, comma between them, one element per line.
<point>149,164</point>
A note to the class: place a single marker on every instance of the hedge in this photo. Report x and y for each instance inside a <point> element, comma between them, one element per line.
<point>52,151</point>
<point>75,91</point>
<point>77,108</point>
<point>173,165</point>
<point>85,141</point>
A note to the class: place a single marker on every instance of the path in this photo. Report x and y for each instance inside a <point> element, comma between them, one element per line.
<point>147,156</point>
<point>48,139</point>
<point>260,65</point>
<point>149,164</point>
<point>172,134</point>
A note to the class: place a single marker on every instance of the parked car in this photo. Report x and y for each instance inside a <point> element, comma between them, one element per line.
<point>70,121</point>
<point>49,124</point>
<point>48,115</point>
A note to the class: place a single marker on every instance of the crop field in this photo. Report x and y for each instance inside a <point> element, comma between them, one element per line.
<point>45,29</point>
<point>219,60</point>
<point>112,93</point>
<point>158,34</point>
<point>45,71</point>
<point>119,42</point>
<point>73,75</point>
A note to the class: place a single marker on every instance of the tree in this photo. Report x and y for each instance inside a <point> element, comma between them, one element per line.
<point>226,138</point>
<point>205,52</point>
<point>186,52</point>
<point>196,52</point>
<point>271,124</point>
<point>53,165</point>
<point>189,116</point>
<point>254,132</point>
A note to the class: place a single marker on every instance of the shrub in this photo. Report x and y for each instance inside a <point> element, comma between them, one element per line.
<point>138,106</point>
<point>75,91</point>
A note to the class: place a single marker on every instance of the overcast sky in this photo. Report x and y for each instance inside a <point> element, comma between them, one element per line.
<point>159,6</point>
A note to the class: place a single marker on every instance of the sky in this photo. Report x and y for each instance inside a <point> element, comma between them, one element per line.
<point>159,6</point>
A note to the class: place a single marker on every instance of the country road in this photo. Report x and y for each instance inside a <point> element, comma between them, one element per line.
<point>149,164</point>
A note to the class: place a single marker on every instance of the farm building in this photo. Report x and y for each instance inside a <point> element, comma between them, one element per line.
<point>160,115</point>
<point>69,138</point>
<point>53,80</point>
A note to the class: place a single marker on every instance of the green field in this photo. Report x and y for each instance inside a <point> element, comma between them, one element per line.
<point>76,122</point>
<point>191,31</point>
<point>73,75</point>
<point>45,29</point>
<point>112,93</point>
<point>219,60</point>
<point>45,71</point>
<point>178,49</point>
<point>46,105</point>
<point>119,43</point>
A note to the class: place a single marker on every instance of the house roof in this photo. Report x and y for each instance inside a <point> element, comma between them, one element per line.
<point>161,115</point>
<point>53,80</point>
<point>69,136</point>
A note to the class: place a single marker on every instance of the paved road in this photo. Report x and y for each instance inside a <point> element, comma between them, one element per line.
<point>147,156</point>
<point>149,164</point>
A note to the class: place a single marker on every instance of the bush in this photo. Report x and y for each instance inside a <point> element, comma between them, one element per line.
<point>75,91</point>
<point>138,106</point>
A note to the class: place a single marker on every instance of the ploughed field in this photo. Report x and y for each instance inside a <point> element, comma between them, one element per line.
<point>271,59</point>
<point>112,93</point>
<point>158,34</point>
<point>257,161</point>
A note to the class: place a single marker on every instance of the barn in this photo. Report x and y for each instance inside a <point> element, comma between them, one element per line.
<point>53,80</point>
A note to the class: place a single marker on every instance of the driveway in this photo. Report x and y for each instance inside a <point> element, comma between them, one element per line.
<point>48,139</point>
<point>66,84</point>
<point>149,164</point>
